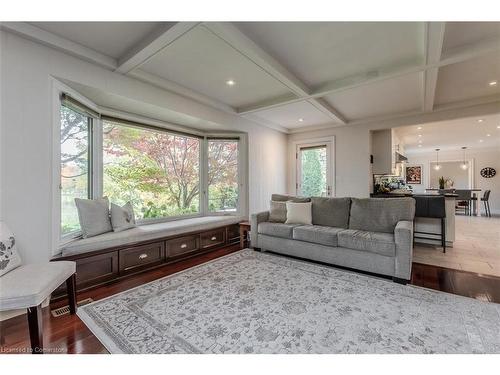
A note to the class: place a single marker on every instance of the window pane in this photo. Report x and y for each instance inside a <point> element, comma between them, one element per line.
<point>156,171</point>
<point>313,179</point>
<point>74,166</point>
<point>223,192</point>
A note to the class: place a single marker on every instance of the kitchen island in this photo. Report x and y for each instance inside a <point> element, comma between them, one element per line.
<point>431,225</point>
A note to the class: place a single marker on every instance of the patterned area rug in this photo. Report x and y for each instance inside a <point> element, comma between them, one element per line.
<point>249,302</point>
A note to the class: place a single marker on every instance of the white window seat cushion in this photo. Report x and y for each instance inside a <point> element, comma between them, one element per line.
<point>29,285</point>
<point>146,233</point>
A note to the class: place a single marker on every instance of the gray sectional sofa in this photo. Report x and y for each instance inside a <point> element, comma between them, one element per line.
<point>372,234</point>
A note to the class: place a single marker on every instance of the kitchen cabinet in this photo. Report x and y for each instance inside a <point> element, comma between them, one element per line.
<point>385,150</point>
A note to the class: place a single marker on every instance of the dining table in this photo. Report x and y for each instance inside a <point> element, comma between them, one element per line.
<point>475,193</point>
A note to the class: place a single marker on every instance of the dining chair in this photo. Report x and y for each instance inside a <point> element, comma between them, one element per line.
<point>486,201</point>
<point>463,199</point>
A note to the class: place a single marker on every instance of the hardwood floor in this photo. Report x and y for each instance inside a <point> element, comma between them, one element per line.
<point>67,334</point>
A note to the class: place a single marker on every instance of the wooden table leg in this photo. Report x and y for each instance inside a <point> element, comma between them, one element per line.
<point>242,237</point>
<point>36,329</point>
<point>71,289</point>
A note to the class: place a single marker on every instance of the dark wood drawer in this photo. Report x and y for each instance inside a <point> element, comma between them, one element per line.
<point>213,238</point>
<point>136,258</point>
<point>233,233</point>
<point>96,269</point>
<point>182,245</point>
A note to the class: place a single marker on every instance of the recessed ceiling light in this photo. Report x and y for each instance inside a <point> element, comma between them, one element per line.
<point>480,141</point>
<point>419,128</point>
<point>480,120</point>
<point>420,135</point>
<point>301,119</point>
<point>488,135</point>
<point>493,83</point>
<point>498,126</point>
<point>230,82</point>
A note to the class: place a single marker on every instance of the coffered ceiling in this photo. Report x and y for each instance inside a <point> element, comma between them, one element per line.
<point>297,75</point>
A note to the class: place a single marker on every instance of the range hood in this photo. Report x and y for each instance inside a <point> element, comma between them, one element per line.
<point>400,158</point>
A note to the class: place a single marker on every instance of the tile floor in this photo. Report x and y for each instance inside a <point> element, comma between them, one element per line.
<point>476,248</point>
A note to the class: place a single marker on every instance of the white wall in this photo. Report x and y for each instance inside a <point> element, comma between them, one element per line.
<point>26,128</point>
<point>352,159</point>
<point>479,158</point>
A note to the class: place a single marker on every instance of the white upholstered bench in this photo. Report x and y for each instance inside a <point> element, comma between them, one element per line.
<point>27,286</point>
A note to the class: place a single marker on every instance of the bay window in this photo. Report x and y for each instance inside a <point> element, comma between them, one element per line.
<point>165,174</point>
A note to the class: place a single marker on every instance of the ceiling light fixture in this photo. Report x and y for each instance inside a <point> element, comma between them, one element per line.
<point>480,120</point>
<point>464,164</point>
<point>481,141</point>
<point>301,119</point>
<point>420,141</point>
<point>230,82</point>
<point>488,135</point>
<point>493,83</point>
<point>419,145</point>
<point>419,128</point>
<point>420,135</point>
<point>498,126</point>
<point>437,167</point>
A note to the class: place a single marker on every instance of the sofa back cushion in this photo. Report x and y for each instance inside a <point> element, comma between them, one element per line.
<point>380,214</point>
<point>331,212</point>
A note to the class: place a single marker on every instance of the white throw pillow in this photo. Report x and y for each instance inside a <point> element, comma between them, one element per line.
<point>122,218</point>
<point>9,256</point>
<point>94,216</point>
<point>299,213</point>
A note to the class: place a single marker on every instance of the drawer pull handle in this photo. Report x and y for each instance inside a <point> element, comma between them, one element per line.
<point>143,256</point>
<point>213,238</point>
<point>183,246</point>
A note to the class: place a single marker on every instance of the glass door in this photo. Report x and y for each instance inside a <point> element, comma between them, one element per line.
<point>314,170</point>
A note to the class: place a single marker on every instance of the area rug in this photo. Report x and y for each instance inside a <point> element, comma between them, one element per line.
<point>251,302</point>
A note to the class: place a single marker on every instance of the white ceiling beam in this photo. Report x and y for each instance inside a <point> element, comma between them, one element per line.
<point>247,47</point>
<point>434,37</point>
<point>52,40</point>
<point>153,43</point>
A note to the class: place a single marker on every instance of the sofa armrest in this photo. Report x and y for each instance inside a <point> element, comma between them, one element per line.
<point>403,236</point>
<point>255,219</point>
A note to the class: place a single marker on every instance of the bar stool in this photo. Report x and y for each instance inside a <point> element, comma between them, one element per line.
<point>431,207</point>
<point>464,200</point>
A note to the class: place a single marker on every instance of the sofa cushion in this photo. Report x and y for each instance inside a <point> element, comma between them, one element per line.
<point>276,229</point>
<point>374,242</point>
<point>146,232</point>
<point>332,212</point>
<point>284,198</point>
<point>317,234</point>
<point>277,211</point>
<point>380,214</point>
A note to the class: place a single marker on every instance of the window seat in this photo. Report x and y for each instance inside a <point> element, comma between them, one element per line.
<point>145,233</point>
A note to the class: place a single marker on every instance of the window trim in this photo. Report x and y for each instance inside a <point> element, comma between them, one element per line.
<point>96,156</point>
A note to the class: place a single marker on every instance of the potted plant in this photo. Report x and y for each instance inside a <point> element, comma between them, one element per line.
<point>442,181</point>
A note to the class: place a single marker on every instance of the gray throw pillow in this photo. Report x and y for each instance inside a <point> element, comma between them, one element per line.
<point>9,256</point>
<point>94,216</point>
<point>277,212</point>
<point>122,218</point>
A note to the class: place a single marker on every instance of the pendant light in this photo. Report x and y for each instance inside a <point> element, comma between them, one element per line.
<point>437,167</point>
<point>464,164</point>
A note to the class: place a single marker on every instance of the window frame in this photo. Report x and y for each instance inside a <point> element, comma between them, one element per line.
<point>96,179</point>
